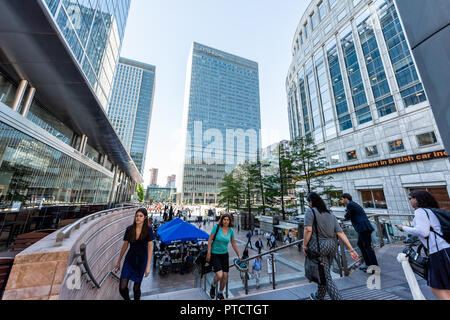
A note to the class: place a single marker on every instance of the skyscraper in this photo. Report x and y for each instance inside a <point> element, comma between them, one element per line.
<point>94,31</point>
<point>154,177</point>
<point>131,107</point>
<point>221,121</point>
<point>353,86</point>
<point>56,142</point>
<point>171,181</point>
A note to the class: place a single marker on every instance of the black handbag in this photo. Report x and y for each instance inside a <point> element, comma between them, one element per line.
<point>420,264</point>
<point>314,266</point>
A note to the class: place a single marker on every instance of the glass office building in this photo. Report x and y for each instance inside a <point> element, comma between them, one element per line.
<point>57,145</point>
<point>354,88</point>
<point>131,107</point>
<point>221,122</point>
<point>94,30</point>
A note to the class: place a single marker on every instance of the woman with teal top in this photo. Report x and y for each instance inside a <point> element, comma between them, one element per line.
<point>218,253</point>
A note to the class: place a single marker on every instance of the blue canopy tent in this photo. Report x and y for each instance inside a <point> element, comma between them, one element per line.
<point>183,232</point>
<point>169,224</point>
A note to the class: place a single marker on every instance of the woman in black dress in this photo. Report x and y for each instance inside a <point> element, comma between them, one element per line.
<point>139,237</point>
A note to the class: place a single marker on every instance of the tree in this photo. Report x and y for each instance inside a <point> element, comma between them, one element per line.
<point>230,191</point>
<point>140,193</point>
<point>249,175</point>
<point>280,181</point>
<point>309,164</point>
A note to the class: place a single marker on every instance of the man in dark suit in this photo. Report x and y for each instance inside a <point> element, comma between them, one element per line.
<point>361,224</point>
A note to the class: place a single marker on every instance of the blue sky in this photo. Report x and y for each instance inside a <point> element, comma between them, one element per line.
<point>160,32</point>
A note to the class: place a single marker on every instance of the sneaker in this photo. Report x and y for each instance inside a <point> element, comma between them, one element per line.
<point>220,296</point>
<point>313,296</point>
<point>212,292</point>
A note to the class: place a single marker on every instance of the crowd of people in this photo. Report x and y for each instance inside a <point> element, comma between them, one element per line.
<point>321,231</point>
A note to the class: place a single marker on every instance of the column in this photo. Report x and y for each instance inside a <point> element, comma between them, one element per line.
<point>28,101</point>
<point>19,95</point>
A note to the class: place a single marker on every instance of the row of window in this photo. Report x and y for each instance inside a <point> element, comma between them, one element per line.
<point>375,198</point>
<point>423,140</point>
<point>313,73</point>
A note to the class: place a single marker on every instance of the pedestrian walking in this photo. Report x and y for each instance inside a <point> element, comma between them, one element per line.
<point>256,270</point>
<point>273,241</point>
<point>221,235</point>
<point>430,232</point>
<point>268,239</point>
<point>321,229</point>
<point>363,227</point>
<point>259,245</point>
<point>249,239</point>
<point>139,238</point>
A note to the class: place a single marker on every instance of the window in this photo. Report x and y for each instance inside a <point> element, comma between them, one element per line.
<point>439,193</point>
<point>426,139</point>
<point>356,2</point>
<point>313,20</point>
<point>374,199</point>
<point>342,15</point>
<point>352,155</point>
<point>332,3</point>
<point>372,151</point>
<point>397,145</point>
<point>335,198</point>
<point>336,159</point>
<point>306,30</point>
<point>322,12</point>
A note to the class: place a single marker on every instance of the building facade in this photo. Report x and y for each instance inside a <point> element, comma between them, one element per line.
<point>154,177</point>
<point>171,181</point>
<point>157,194</point>
<point>131,106</point>
<point>354,88</point>
<point>221,121</point>
<point>94,31</point>
<point>56,143</point>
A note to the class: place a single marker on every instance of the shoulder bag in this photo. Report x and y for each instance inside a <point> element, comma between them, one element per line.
<point>314,266</point>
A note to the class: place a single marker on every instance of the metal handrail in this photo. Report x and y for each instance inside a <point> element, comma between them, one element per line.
<point>89,271</point>
<point>66,231</point>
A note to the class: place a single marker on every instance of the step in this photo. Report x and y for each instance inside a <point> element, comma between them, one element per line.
<point>196,294</point>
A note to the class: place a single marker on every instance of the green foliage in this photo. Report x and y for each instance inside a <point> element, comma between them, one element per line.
<point>140,193</point>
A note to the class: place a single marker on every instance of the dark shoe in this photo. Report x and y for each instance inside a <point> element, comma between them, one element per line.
<point>212,292</point>
<point>363,268</point>
<point>220,296</point>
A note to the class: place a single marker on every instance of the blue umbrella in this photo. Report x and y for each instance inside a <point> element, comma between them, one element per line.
<point>183,232</point>
<point>168,225</point>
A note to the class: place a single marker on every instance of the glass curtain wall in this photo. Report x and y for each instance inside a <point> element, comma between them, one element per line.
<point>305,112</point>
<point>94,31</point>
<point>375,69</point>
<point>314,102</point>
<point>342,111</point>
<point>405,71</point>
<point>361,106</point>
<point>325,98</point>
<point>32,172</point>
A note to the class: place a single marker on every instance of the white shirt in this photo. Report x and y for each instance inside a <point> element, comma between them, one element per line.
<point>422,230</point>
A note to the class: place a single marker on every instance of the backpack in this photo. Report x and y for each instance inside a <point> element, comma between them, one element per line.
<point>444,219</point>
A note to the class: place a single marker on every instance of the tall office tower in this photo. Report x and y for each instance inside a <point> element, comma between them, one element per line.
<point>154,177</point>
<point>131,107</point>
<point>353,86</point>
<point>56,142</point>
<point>221,121</point>
<point>94,31</point>
<point>171,181</point>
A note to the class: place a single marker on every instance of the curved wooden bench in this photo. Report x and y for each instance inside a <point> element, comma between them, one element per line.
<point>23,241</point>
<point>6,264</point>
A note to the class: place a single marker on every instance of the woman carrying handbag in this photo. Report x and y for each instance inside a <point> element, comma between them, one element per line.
<point>320,245</point>
<point>428,228</point>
